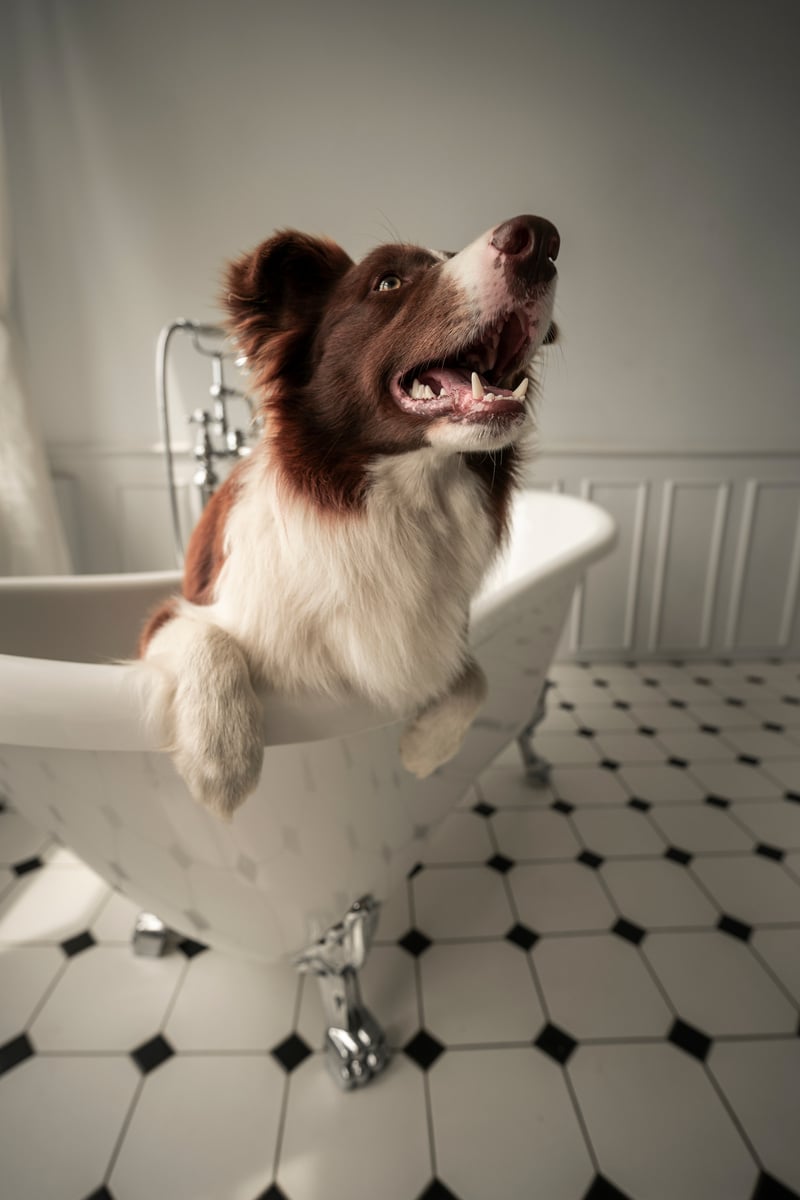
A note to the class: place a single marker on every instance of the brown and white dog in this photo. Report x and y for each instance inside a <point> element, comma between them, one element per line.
<point>342,555</point>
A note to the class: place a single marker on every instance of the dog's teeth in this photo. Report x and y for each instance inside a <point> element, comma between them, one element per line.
<point>489,397</point>
<point>427,393</point>
<point>477,387</point>
<point>418,390</point>
<point>520,391</point>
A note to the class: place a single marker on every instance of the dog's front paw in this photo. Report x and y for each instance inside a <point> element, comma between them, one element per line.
<point>221,766</point>
<point>426,744</point>
<point>436,734</point>
<point>218,741</point>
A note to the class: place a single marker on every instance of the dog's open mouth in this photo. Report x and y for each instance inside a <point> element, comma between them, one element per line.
<point>470,385</point>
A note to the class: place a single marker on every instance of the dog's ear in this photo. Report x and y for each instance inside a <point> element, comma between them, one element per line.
<point>281,287</point>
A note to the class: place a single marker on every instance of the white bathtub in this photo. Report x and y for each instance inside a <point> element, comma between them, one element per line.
<point>335,816</point>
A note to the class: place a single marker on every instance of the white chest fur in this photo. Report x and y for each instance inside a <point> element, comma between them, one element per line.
<point>376,602</point>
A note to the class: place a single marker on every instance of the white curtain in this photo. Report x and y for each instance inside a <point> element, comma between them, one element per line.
<point>32,540</point>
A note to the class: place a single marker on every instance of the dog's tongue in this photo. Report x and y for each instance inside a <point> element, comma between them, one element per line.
<point>455,383</point>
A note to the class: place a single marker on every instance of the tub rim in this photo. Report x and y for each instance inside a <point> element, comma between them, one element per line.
<point>104,700</point>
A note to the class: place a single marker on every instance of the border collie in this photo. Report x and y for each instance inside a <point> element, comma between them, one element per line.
<point>342,555</point>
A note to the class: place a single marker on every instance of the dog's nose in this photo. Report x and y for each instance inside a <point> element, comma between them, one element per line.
<point>532,243</point>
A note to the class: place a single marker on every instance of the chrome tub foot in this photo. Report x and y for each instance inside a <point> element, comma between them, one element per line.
<point>150,938</point>
<point>356,1049</point>
<point>537,769</point>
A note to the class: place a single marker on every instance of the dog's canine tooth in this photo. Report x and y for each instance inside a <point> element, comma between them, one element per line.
<point>477,387</point>
<point>520,391</point>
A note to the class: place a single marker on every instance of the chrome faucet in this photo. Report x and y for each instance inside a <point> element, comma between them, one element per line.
<point>216,438</point>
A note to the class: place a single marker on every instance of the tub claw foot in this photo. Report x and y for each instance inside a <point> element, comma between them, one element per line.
<point>356,1049</point>
<point>357,1054</point>
<point>150,937</point>
<point>537,769</point>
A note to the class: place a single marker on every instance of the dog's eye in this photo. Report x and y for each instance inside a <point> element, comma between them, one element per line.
<point>389,283</point>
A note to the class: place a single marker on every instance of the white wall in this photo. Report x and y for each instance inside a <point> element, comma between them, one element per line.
<point>151,140</point>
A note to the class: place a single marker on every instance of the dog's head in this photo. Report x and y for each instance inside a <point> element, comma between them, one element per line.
<point>406,349</point>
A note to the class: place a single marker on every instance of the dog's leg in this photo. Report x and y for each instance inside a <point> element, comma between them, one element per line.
<point>209,709</point>
<point>436,734</point>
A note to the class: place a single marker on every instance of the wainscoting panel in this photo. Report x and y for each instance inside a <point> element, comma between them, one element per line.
<point>604,615</point>
<point>764,595</point>
<point>708,559</point>
<point>688,561</point>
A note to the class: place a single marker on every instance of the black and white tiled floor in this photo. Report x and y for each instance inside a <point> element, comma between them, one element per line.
<point>593,989</point>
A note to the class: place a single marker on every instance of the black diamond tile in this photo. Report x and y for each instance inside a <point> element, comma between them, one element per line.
<point>499,862</point>
<point>152,1054</point>
<point>651,682</point>
<point>436,1190</point>
<point>755,679</point>
<point>647,731</point>
<point>629,931</point>
<point>590,859</point>
<point>601,1189</point>
<point>770,852</point>
<point>563,807</point>
<point>291,1052</point>
<point>734,928</point>
<point>692,1040</point>
<point>522,936</point>
<point>681,763</point>
<point>415,942</point>
<point>792,797</point>
<point>734,702</point>
<point>709,729</point>
<point>556,1043</point>
<point>717,801</point>
<point>773,727</point>
<point>793,700</point>
<point>191,948</point>
<point>483,809</point>
<point>27,865</point>
<point>622,704</point>
<point>423,1049</point>
<point>585,732</point>
<point>601,683</point>
<point>769,1188</point>
<point>640,805</point>
<point>15,1052</point>
<point>749,760</point>
<point>415,870</point>
<point>677,704</point>
<point>609,764</point>
<point>701,681</point>
<point>74,945</point>
<point>678,856</point>
<point>567,706</point>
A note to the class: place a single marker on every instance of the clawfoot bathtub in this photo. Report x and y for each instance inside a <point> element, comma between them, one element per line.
<point>336,822</point>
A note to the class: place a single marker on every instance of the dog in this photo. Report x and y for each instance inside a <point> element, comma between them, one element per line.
<point>341,556</point>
